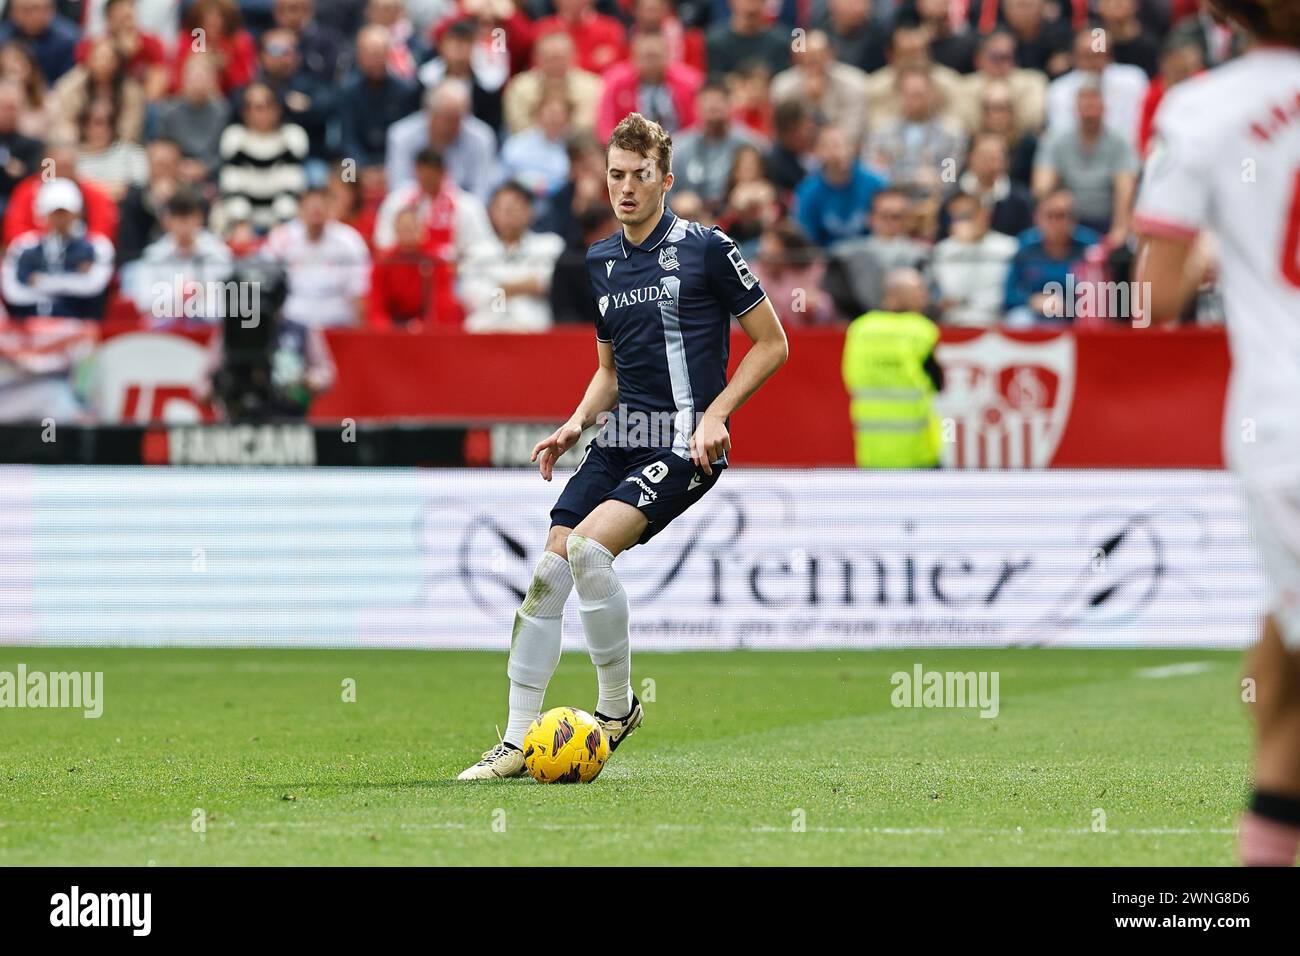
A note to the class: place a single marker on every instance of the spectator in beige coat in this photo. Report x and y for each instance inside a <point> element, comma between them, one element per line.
<point>101,77</point>
<point>909,46</point>
<point>995,61</point>
<point>834,90</point>
<point>555,71</point>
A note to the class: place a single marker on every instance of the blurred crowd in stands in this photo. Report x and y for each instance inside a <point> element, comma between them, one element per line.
<point>439,163</point>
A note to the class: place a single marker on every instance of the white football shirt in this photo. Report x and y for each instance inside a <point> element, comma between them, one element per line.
<point>1226,158</point>
<point>326,277</point>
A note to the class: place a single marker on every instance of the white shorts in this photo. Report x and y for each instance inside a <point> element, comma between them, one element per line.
<point>1274,512</point>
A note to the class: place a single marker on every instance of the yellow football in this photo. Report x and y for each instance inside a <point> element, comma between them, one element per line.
<point>565,745</point>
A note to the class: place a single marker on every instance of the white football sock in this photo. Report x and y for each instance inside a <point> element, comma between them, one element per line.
<point>535,643</point>
<point>603,604</point>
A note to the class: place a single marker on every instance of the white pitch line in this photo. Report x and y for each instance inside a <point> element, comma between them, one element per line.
<point>1174,670</point>
<point>762,828</point>
<point>228,826</point>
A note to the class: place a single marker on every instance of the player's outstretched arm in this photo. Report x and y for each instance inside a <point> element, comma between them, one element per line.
<point>769,353</point>
<point>601,396</point>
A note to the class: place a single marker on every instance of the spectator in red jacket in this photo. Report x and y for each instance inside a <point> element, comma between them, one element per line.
<point>143,53</point>
<point>99,211</point>
<point>491,15</point>
<point>600,41</point>
<point>453,222</point>
<point>403,282</point>
<point>223,36</point>
<point>651,85</point>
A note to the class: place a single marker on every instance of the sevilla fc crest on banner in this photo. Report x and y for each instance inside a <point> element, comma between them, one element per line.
<point>1005,402</point>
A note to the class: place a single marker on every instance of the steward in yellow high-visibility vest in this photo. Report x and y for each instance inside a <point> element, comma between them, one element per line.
<point>891,376</point>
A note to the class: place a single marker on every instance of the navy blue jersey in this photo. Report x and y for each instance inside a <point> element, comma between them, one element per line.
<point>666,306</point>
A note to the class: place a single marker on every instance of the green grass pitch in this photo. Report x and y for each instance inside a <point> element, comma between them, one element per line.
<point>736,751</point>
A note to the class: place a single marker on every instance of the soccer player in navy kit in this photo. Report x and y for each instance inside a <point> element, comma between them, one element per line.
<point>666,291</point>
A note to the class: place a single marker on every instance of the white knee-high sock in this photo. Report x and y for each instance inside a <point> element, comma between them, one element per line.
<point>535,643</point>
<point>603,604</point>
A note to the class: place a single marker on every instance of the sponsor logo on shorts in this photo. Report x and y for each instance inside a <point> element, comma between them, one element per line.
<point>648,494</point>
<point>636,480</point>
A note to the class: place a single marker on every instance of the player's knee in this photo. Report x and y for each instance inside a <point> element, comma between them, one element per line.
<point>587,554</point>
<point>556,541</point>
<point>580,557</point>
<point>593,567</point>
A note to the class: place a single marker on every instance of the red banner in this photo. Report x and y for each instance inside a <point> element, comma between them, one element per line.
<point>1073,399</point>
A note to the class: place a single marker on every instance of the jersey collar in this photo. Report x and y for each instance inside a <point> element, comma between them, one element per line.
<point>653,240</point>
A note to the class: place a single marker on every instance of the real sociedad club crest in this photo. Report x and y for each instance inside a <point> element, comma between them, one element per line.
<point>668,258</point>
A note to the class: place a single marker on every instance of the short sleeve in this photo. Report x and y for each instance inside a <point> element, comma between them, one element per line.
<point>602,305</point>
<point>1045,156</point>
<point>1128,158</point>
<point>729,276</point>
<point>1174,198</point>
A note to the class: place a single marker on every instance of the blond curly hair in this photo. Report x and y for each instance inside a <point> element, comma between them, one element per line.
<point>636,134</point>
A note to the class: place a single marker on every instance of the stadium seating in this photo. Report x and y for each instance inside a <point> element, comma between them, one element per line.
<point>803,129</point>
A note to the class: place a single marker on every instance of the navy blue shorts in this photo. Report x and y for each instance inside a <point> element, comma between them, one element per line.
<point>656,481</point>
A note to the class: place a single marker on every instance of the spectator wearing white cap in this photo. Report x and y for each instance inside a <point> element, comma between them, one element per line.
<point>59,270</point>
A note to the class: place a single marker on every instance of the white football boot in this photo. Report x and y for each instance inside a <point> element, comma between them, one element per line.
<point>617,729</point>
<point>501,761</point>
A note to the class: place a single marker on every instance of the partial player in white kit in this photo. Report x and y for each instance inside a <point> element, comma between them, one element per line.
<point>1226,164</point>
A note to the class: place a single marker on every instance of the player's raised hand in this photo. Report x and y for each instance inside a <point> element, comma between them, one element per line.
<point>546,451</point>
<point>709,442</point>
